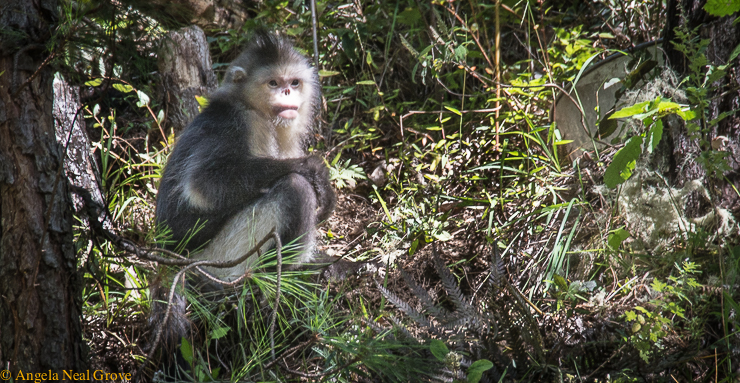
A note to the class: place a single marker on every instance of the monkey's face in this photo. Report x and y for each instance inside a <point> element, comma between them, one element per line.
<point>283,92</point>
<point>285,97</point>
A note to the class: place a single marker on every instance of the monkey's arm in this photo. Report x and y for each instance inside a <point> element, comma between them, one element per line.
<point>316,172</point>
<point>226,181</point>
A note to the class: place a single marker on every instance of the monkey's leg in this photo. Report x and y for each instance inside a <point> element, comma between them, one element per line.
<point>289,206</point>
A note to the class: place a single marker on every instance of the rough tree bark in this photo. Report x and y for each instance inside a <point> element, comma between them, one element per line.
<point>723,38</point>
<point>207,14</point>
<point>39,285</point>
<point>186,69</point>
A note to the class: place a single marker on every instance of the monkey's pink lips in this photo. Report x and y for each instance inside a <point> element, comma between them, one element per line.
<point>287,112</point>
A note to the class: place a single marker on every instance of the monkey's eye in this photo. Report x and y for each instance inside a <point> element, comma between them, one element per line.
<point>273,84</point>
<point>296,82</point>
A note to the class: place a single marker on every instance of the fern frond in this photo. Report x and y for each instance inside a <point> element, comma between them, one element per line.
<point>403,329</point>
<point>427,302</point>
<point>453,290</point>
<point>498,269</point>
<point>403,306</point>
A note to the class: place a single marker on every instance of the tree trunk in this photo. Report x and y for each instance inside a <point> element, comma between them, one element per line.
<point>207,14</point>
<point>719,140</point>
<point>39,286</point>
<point>723,137</point>
<point>186,69</point>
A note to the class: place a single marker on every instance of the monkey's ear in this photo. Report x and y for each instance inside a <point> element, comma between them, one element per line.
<point>237,74</point>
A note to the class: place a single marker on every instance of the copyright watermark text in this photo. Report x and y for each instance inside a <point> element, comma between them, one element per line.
<point>65,375</point>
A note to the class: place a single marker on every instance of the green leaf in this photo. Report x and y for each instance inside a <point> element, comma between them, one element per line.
<point>644,310</point>
<point>219,332</point>
<point>439,349</point>
<point>687,115</point>
<point>143,99</point>
<point>94,82</point>
<point>734,54</point>
<point>668,106</point>
<point>476,370</point>
<point>453,110</point>
<point>202,101</point>
<point>630,315</point>
<point>366,82</point>
<point>187,350</point>
<point>654,135</point>
<point>460,53</point>
<point>560,282</point>
<point>607,126</point>
<point>631,110</point>
<point>624,162</point>
<point>443,236</point>
<point>414,246</point>
<point>410,16</point>
<point>101,66</point>
<point>327,73</point>
<point>617,237</point>
<point>123,88</point>
<point>658,285</point>
<point>722,7</point>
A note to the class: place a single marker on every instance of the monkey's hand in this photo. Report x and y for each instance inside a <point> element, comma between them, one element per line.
<point>316,172</point>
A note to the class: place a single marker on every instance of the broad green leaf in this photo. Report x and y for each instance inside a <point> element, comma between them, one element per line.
<point>476,370</point>
<point>667,106</point>
<point>607,126</point>
<point>722,8</point>
<point>439,349</point>
<point>734,54</point>
<point>631,110</point>
<point>461,53</point>
<point>443,236</point>
<point>143,99</point>
<point>654,135</point>
<point>187,350</point>
<point>94,82</point>
<point>410,16</point>
<point>123,88</point>
<point>560,282</point>
<point>219,332</point>
<point>687,114</point>
<point>617,237</point>
<point>624,162</point>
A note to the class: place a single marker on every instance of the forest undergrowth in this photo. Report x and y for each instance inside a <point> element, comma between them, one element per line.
<point>482,245</point>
